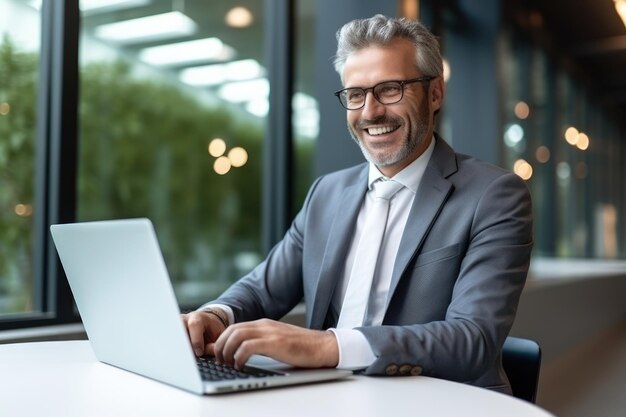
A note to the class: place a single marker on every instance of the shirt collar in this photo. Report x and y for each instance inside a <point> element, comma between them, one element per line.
<point>410,176</point>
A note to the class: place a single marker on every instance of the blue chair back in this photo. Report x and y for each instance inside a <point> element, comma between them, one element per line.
<point>521,359</point>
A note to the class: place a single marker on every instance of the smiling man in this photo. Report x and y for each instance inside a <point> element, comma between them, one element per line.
<point>409,264</point>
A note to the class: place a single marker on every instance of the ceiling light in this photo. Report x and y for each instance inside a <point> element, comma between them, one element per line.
<point>446,70</point>
<point>306,115</point>
<point>237,92</point>
<point>217,147</point>
<point>149,28</point>
<point>101,6</point>
<point>513,135</point>
<point>583,141</point>
<point>239,17</point>
<point>204,76</point>
<point>208,49</point>
<point>542,154</point>
<point>222,165</point>
<point>238,156</point>
<point>620,6</point>
<point>571,135</point>
<point>207,75</point>
<point>258,106</point>
<point>521,110</point>
<point>523,169</point>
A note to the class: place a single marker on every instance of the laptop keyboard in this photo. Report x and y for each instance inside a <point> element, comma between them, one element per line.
<point>212,371</point>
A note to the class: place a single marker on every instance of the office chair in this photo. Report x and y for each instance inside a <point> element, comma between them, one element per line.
<point>521,359</point>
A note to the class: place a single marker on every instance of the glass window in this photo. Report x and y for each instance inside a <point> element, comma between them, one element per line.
<point>20,26</point>
<point>173,101</point>
<point>562,142</point>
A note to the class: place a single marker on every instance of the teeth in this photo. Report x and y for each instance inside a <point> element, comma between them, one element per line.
<point>380,130</point>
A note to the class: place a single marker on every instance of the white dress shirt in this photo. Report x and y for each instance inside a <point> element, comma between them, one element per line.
<point>354,350</point>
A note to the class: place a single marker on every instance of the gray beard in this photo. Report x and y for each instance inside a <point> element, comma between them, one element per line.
<point>412,141</point>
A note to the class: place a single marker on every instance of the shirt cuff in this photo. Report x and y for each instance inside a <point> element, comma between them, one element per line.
<point>229,311</point>
<point>355,351</point>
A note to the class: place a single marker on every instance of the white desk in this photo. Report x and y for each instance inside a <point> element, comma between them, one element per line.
<point>64,379</point>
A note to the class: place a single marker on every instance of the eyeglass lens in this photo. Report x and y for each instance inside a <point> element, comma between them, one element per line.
<point>386,93</point>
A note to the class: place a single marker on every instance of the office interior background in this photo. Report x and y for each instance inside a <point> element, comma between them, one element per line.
<point>213,118</point>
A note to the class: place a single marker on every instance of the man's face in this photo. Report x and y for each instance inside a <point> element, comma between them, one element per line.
<point>391,135</point>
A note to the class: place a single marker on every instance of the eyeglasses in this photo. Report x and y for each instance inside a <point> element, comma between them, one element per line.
<point>387,92</point>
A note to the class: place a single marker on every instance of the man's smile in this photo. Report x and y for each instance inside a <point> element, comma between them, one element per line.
<point>380,130</point>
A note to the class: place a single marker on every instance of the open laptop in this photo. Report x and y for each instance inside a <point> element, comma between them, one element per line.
<point>124,295</point>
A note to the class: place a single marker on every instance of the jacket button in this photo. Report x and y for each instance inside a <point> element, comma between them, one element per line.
<point>416,370</point>
<point>405,369</point>
<point>391,369</point>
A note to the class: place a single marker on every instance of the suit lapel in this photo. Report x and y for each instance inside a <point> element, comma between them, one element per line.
<point>337,246</point>
<point>431,195</point>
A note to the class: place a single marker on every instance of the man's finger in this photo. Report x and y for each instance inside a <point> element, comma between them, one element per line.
<point>230,340</point>
<point>196,329</point>
<point>262,345</point>
<point>209,349</point>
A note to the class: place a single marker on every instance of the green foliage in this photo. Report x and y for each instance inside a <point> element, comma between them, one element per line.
<point>142,152</point>
<point>18,83</point>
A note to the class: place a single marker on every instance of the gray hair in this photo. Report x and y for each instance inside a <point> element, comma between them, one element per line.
<point>380,30</point>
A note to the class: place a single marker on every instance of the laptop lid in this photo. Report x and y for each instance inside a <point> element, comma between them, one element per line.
<point>129,310</point>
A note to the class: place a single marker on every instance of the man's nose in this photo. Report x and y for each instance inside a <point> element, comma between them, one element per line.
<point>372,108</point>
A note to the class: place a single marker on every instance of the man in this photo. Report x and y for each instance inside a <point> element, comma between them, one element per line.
<point>452,261</point>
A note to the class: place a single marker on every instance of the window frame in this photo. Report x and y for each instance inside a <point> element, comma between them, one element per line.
<point>55,163</point>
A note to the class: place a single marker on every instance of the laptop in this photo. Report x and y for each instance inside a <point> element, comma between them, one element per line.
<point>127,304</point>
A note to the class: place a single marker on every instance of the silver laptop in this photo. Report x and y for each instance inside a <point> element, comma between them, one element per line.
<point>127,304</point>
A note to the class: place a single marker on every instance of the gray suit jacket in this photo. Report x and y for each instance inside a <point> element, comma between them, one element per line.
<point>460,269</point>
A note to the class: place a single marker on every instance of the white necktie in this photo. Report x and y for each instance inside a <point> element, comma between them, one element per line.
<point>355,301</point>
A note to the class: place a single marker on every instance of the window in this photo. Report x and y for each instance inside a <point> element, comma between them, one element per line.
<point>560,140</point>
<point>157,131</point>
<point>19,59</point>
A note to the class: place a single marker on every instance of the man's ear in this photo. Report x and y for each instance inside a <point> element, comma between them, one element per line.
<point>438,88</point>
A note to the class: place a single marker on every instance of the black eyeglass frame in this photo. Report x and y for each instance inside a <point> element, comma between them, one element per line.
<point>402,83</point>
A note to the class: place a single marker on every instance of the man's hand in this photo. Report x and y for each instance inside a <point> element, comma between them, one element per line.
<point>204,328</point>
<point>287,343</point>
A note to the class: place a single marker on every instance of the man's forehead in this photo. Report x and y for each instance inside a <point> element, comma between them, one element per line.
<point>379,63</point>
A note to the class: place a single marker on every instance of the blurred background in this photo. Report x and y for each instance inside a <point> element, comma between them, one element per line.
<point>213,118</point>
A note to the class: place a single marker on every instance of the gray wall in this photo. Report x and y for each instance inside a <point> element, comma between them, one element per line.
<point>562,313</point>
